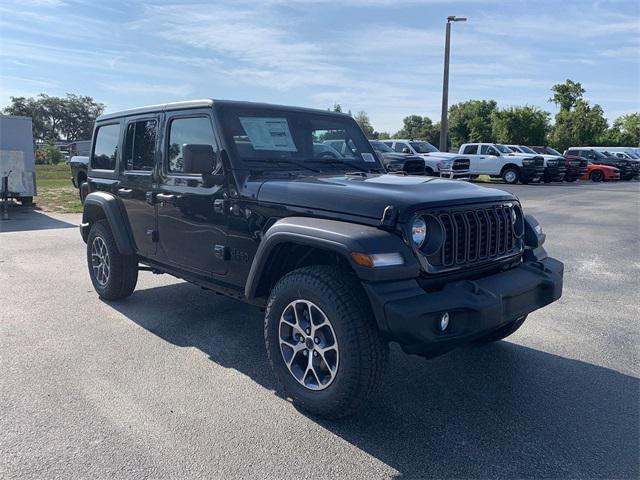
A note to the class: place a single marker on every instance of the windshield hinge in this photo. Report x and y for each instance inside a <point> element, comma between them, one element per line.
<point>389,218</point>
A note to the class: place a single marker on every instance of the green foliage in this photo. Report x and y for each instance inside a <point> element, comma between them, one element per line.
<point>419,128</point>
<point>384,135</point>
<point>337,108</point>
<point>566,94</point>
<point>470,121</point>
<point>70,118</point>
<point>520,125</point>
<point>625,132</point>
<point>52,154</point>
<point>584,125</point>
<point>362,119</point>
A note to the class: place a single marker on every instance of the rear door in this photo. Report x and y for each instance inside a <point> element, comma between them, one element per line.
<point>192,220</point>
<point>140,151</point>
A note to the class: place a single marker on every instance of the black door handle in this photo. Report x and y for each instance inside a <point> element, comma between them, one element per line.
<point>125,192</point>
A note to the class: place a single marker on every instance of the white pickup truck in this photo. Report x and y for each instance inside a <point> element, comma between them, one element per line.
<point>443,164</point>
<point>498,160</point>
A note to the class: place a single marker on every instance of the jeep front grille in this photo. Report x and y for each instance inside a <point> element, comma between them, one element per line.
<point>414,166</point>
<point>475,235</point>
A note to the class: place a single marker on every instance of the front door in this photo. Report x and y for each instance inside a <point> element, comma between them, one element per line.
<point>191,214</point>
<point>137,179</point>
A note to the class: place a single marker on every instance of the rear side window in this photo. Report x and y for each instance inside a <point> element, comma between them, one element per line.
<point>182,131</point>
<point>105,151</point>
<point>140,145</point>
<point>470,150</point>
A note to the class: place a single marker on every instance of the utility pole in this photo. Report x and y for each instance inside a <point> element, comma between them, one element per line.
<point>444,123</point>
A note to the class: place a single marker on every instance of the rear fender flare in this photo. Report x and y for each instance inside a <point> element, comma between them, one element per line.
<point>99,205</point>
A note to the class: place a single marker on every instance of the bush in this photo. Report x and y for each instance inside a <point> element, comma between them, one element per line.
<point>52,154</point>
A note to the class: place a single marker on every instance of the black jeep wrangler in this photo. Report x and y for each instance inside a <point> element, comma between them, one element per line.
<point>242,199</point>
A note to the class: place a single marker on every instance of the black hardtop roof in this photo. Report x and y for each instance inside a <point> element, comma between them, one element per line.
<point>207,103</point>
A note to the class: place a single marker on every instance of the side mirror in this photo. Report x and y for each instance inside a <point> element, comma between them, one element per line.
<point>406,150</point>
<point>198,159</point>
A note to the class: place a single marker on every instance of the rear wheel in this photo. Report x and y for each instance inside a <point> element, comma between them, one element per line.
<point>323,344</point>
<point>510,175</point>
<point>503,332</point>
<point>597,176</point>
<point>113,275</point>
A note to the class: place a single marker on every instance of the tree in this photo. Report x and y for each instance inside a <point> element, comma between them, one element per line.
<point>566,94</point>
<point>337,108</point>
<point>584,125</point>
<point>419,128</point>
<point>470,121</point>
<point>362,119</point>
<point>520,125</point>
<point>69,118</point>
<point>624,132</point>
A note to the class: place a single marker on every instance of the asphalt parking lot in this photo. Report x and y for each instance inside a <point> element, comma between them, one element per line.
<point>174,381</point>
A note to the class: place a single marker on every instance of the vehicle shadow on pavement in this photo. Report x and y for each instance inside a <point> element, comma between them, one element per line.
<point>24,219</point>
<point>500,410</point>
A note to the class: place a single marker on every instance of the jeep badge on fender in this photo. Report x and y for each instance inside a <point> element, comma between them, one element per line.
<point>291,209</point>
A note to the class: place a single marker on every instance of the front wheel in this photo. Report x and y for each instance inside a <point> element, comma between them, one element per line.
<point>113,275</point>
<point>510,175</point>
<point>323,344</point>
<point>597,176</point>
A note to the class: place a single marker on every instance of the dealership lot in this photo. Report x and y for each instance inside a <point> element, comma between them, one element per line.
<point>174,381</point>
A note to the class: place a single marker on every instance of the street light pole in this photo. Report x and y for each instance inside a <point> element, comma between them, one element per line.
<point>444,124</point>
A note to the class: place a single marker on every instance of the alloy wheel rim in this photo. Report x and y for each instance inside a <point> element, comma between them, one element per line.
<point>308,345</point>
<point>510,176</point>
<point>100,261</point>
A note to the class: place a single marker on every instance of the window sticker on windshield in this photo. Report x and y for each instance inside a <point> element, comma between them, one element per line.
<point>267,133</point>
<point>367,157</point>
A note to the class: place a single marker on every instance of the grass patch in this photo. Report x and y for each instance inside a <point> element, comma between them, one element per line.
<point>56,193</point>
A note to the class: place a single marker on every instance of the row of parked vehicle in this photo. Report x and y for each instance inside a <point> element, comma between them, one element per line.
<point>513,163</point>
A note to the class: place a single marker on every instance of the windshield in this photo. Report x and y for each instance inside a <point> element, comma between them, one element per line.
<point>526,149</point>
<point>279,138</point>
<point>503,148</point>
<point>553,151</point>
<point>423,147</point>
<point>381,147</point>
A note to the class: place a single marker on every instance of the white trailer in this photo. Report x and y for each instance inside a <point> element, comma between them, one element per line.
<point>17,160</point>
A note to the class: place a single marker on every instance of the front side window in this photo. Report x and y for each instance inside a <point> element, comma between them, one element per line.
<point>105,151</point>
<point>140,145</point>
<point>400,147</point>
<point>183,131</point>
<point>504,148</point>
<point>381,147</point>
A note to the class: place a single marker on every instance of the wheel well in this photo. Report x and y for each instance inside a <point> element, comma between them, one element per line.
<point>81,178</point>
<point>286,257</point>
<point>90,215</point>
<point>429,170</point>
<point>509,165</point>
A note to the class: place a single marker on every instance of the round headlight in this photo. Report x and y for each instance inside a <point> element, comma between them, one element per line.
<point>514,216</point>
<point>418,231</point>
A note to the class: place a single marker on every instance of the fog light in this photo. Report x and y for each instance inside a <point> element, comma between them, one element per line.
<point>444,321</point>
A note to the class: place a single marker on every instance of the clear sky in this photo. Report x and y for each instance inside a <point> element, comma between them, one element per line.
<point>381,56</point>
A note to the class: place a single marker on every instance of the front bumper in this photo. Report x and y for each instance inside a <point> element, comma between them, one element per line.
<point>454,174</point>
<point>531,173</point>
<point>555,173</point>
<point>575,169</point>
<point>409,315</point>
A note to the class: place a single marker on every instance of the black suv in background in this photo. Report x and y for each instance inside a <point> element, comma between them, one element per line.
<point>245,200</point>
<point>398,162</point>
<point>628,168</point>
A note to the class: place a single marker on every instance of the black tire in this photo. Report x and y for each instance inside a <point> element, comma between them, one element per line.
<point>502,332</point>
<point>122,273</point>
<point>511,175</point>
<point>363,354</point>
<point>597,176</point>
<point>26,201</point>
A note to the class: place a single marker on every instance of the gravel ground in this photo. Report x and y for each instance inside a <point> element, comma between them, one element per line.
<point>174,381</point>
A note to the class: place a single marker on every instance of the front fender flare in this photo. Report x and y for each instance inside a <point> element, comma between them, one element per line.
<point>114,212</point>
<point>335,236</point>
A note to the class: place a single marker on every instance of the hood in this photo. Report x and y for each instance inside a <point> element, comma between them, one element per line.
<point>446,155</point>
<point>369,196</point>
